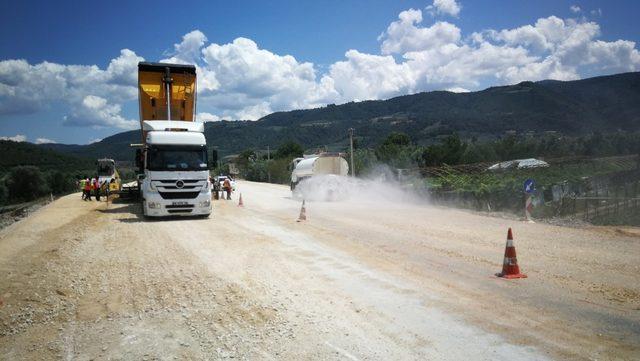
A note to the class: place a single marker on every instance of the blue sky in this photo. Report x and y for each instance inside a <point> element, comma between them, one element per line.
<point>342,51</point>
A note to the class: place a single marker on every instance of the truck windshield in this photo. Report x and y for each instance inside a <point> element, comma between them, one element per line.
<point>183,158</point>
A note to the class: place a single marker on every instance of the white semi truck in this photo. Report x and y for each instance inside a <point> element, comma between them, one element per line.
<point>174,170</point>
<point>317,164</point>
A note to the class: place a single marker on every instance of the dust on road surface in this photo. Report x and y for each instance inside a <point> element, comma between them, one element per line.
<point>360,280</point>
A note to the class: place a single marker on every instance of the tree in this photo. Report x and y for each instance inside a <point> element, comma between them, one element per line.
<point>397,151</point>
<point>60,183</point>
<point>454,148</point>
<point>449,151</point>
<point>26,183</point>
<point>214,157</point>
<point>289,149</point>
<point>4,193</point>
<point>398,139</point>
<point>245,158</point>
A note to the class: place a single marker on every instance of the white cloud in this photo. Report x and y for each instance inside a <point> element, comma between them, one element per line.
<point>44,141</point>
<point>254,111</point>
<point>449,7</point>
<point>575,9</point>
<point>405,35</point>
<point>565,47</point>
<point>364,76</point>
<point>26,88</point>
<point>458,90</point>
<point>188,50</point>
<point>207,117</point>
<point>16,138</point>
<point>123,70</point>
<point>98,112</point>
<point>246,82</point>
<point>241,80</point>
<point>550,48</point>
<point>95,140</point>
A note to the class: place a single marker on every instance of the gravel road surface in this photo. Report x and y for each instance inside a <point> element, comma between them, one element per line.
<point>359,280</point>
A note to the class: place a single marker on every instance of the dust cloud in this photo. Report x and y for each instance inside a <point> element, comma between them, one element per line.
<point>380,185</point>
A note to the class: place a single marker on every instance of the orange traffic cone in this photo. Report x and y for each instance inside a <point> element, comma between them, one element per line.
<point>240,204</point>
<point>303,213</point>
<point>510,267</point>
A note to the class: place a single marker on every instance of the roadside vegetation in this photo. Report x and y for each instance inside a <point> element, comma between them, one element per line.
<point>29,172</point>
<point>262,166</point>
<point>454,170</point>
<point>27,183</point>
<point>398,151</point>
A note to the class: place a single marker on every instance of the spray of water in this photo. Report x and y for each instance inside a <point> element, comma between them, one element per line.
<point>379,185</point>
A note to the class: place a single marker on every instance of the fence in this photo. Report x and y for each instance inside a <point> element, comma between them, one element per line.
<point>618,203</point>
<point>598,190</point>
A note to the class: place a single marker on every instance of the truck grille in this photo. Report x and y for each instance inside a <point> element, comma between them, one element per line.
<point>169,185</point>
<point>178,195</point>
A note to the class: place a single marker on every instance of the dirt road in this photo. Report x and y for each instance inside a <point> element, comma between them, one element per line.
<point>360,280</point>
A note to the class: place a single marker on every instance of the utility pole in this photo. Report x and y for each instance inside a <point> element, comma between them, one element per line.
<point>268,162</point>
<point>353,167</point>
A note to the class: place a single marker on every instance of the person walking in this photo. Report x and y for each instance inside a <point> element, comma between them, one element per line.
<point>227,187</point>
<point>87,189</point>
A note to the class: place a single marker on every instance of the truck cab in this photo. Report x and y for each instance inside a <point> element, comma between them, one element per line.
<point>176,172</point>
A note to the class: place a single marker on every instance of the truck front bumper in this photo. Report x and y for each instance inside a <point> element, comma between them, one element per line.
<point>156,206</point>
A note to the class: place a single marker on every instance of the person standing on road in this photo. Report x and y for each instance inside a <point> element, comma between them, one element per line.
<point>107,187</point>
<point>81,183</point>
<point>216,189</point>
<point>87,189</point>
<point>96,187</point>
<point>227,187</point>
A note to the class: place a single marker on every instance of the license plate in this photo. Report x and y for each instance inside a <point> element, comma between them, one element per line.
<point>179,203</point>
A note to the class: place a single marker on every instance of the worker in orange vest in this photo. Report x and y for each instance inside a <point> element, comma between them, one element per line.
<point>87,190</point>
<point>227,187</point>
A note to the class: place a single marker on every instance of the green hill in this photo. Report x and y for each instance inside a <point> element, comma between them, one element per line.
<point>22,153</point>
<point>602,104</point>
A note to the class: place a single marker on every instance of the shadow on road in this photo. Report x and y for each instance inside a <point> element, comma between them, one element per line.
<point>121,207</point>
<point>136,215</point>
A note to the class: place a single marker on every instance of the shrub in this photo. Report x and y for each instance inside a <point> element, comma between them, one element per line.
<point>26,183</point>
<point>61,183</point>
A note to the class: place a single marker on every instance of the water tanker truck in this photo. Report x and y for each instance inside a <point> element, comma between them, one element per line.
<point>173,175</point>
<point>317,164</point>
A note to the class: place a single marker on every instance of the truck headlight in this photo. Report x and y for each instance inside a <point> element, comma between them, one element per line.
<point>206,203</point>
<point>153,205</point>
<point>205,187</point>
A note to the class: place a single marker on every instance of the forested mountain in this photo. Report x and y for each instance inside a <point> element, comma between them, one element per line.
<point>23,153</point>
<point>602,104</point>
